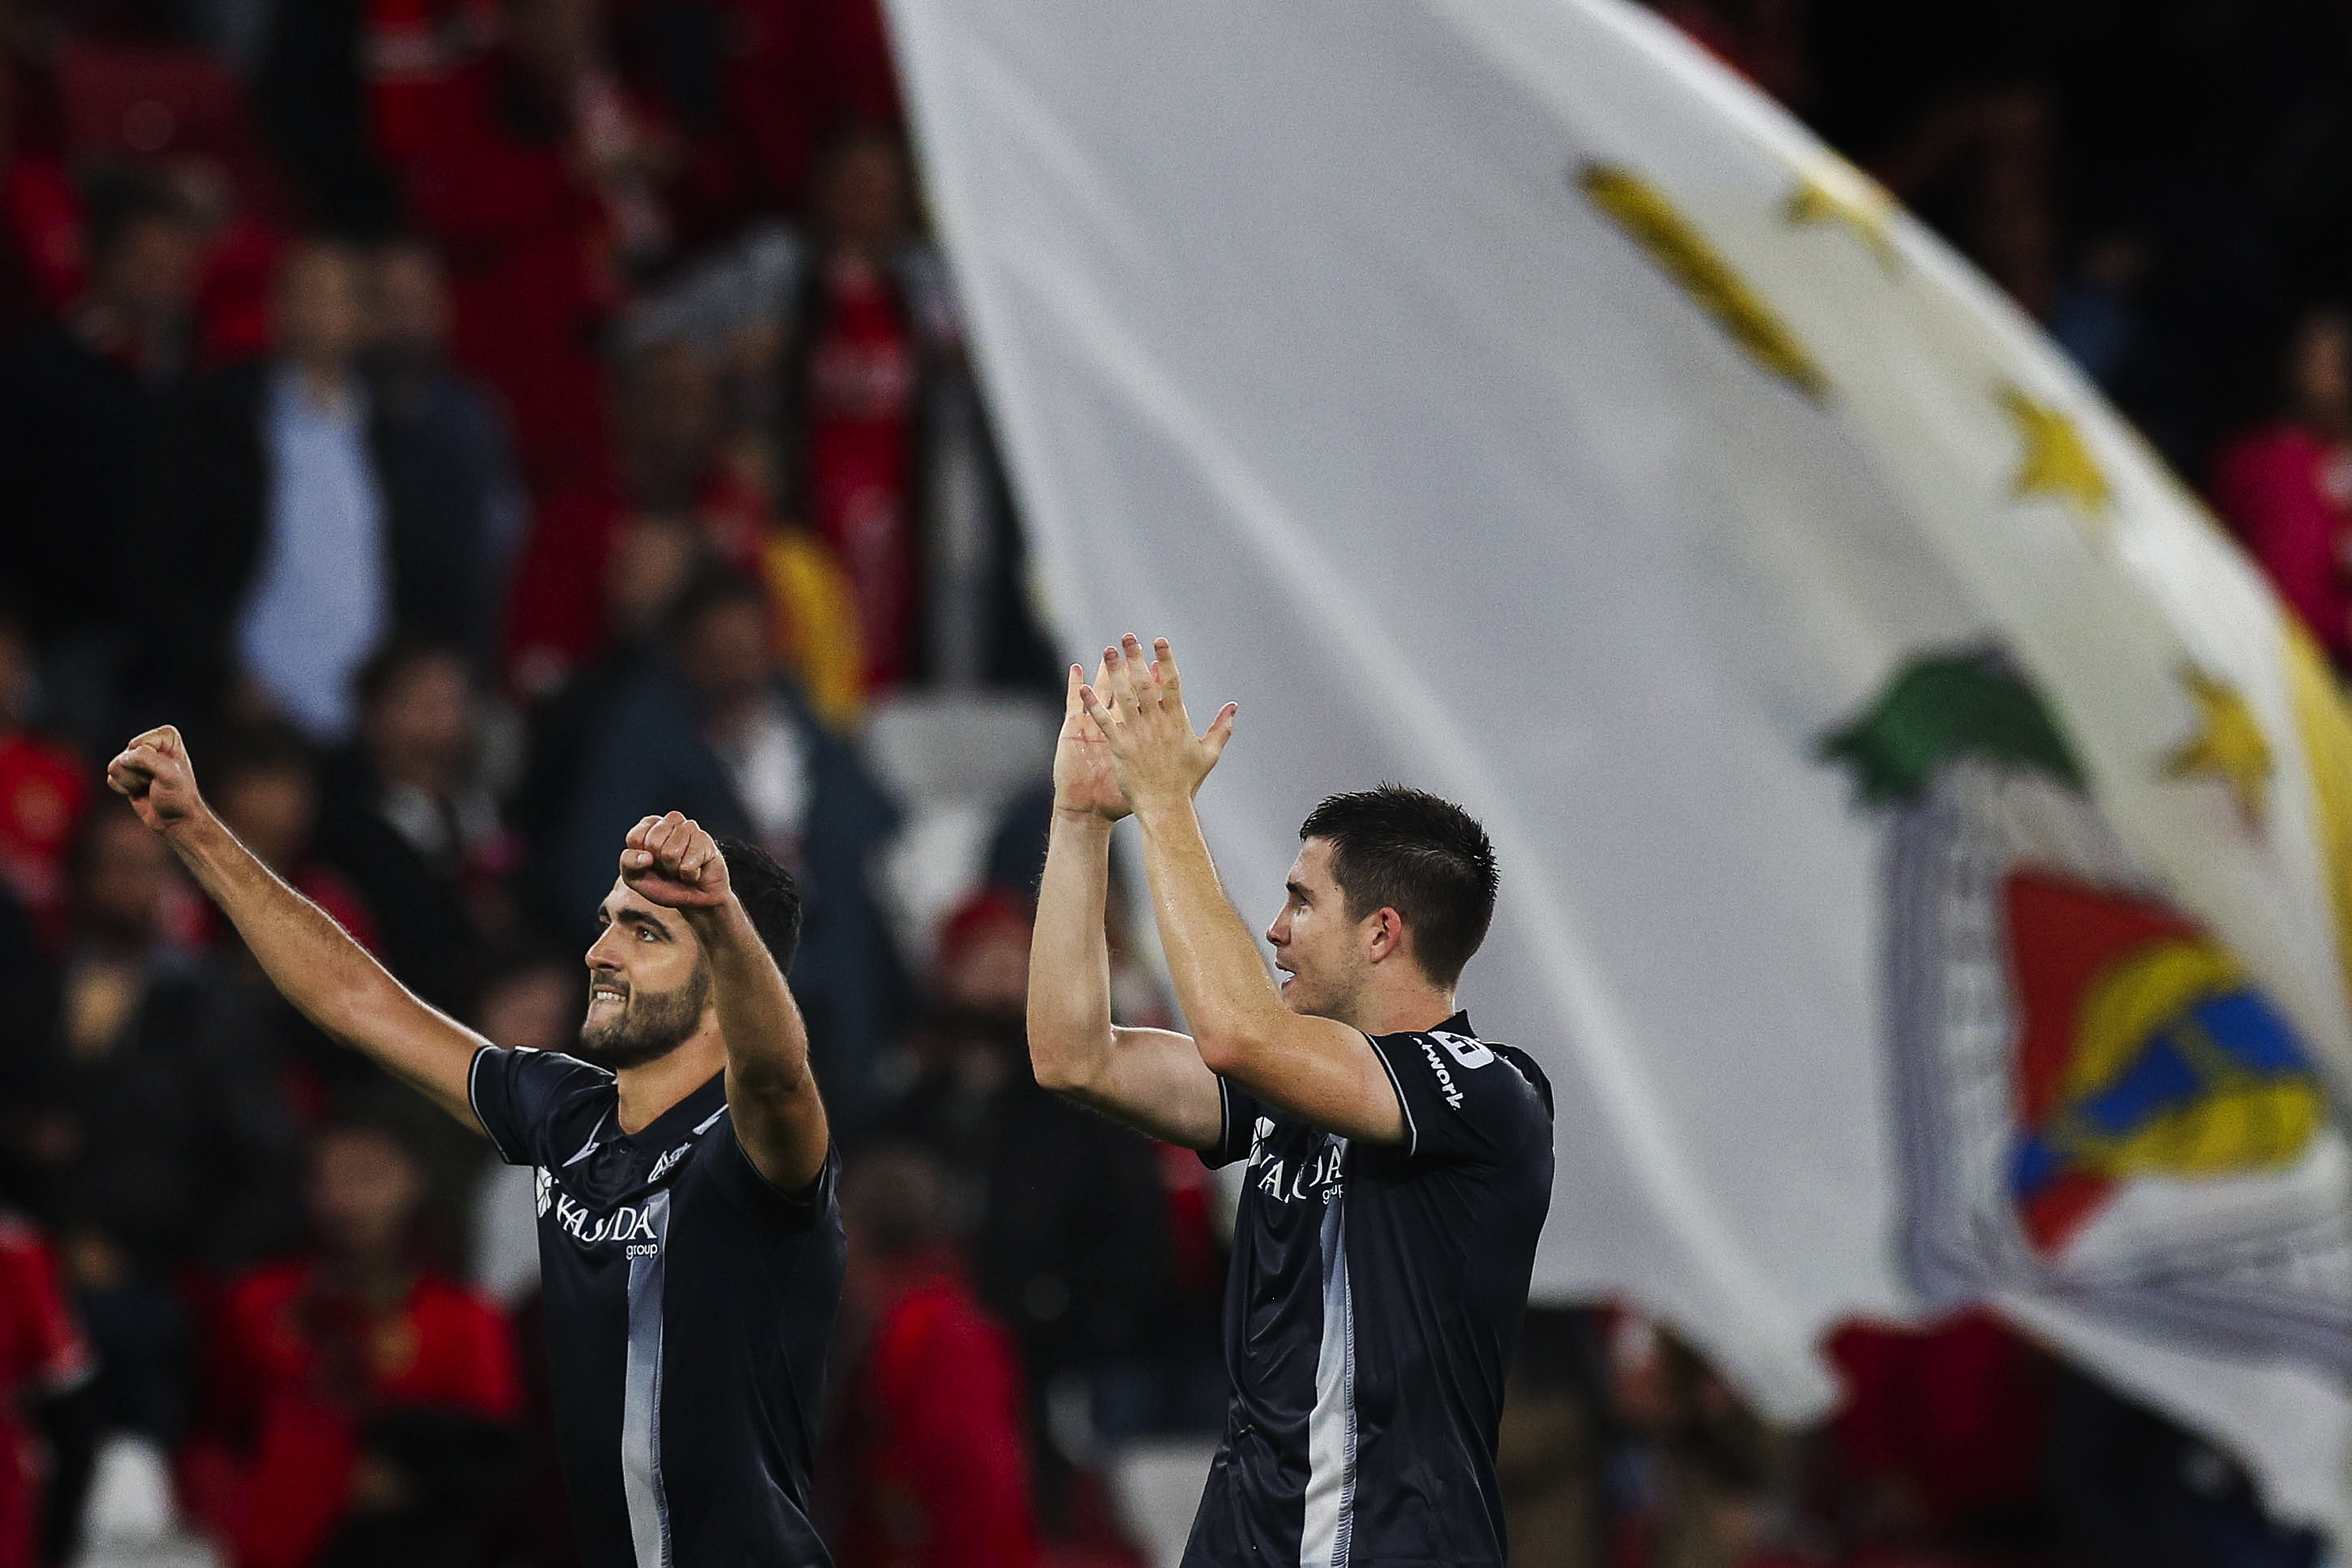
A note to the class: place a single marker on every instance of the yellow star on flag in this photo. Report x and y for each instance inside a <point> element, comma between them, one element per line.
<point>2057,461</point>
<point>2228,746</point>
<point>1851,202</point>
<point>1703,273</point>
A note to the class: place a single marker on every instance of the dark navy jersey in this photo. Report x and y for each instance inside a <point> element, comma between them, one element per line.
<point>688,1305</point>
<point>1374,1296</point>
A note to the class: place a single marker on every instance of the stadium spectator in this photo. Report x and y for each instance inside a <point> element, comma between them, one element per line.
<point>540,179</point>
<point>684,456</point>
<point>265,788</point>
<point>651,564</point>
<point>359,1398</point>
<point>710,728</point>
<point>310,100</point>
<point>408,824</point>
<point>1941,1437</point>
<point>267,576</point>
<point>1552,1451</point>
<point>932,1462</point>
<point>786,73</point>
<point>854,393</point>
<point>46,1365</point>
<point>44,789</point>
<point>1063,1212</point>
<point>2133,1491</point>
<point>888,455</point>
<point>81,402</point>
<point>575,601</point>
<point>1702,1481</point>
<point>146,1123</point>
<point>2286,485</point>
<point>531,999</point>
<point>453,501</point>
<point>1980,162</point>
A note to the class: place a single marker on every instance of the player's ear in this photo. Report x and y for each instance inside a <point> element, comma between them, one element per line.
<point>1384,934</point>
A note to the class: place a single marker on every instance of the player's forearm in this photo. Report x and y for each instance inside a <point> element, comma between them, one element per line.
<point>1229,999</point>
<point>312,961</point>
<point>1069,957</point>
<point>767,1043</point>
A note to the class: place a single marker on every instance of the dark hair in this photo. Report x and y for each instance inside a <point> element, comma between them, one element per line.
<point>768,894</point>
<point>269,750</point>
<point>120,202</point>
<point>399,654</point>
<point>1427,859</point>
<point>893,1197</point>
<point>713,585</point>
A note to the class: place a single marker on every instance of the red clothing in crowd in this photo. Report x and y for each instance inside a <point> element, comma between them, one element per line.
<point>43,792</point>
<point>297,1369</point>
<point>861,435</point>
<point>1954,1418</point>
<point>41,1350</point>
<point>796,70</point>
<point>937,1475</point>
<point>2287,492</point>
<point>490,177</point>
<point>42,213</point>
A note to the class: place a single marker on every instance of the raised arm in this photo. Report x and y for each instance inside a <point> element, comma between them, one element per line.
<point>1318,1069</point>
<point>329,977</point>
<point>771,1093</point>
<point>1148,1078</point>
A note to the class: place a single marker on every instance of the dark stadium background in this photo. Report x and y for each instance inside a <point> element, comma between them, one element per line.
<point>662,478</point>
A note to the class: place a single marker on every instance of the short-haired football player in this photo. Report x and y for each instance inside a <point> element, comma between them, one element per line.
<point>691,1244</point>
<point>1400,1167</point>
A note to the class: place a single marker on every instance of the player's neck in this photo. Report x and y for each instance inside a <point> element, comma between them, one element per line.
<point>1402,1010</point>
<point>652,1088</point>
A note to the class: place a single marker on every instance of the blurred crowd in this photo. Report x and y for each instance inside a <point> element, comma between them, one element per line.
<point>480,422</point>
<point>2160,184</point>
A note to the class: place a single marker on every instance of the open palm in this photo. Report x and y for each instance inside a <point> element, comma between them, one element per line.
<point>1083,778</point>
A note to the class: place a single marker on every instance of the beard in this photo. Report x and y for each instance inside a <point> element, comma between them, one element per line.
<point>650,1026</point>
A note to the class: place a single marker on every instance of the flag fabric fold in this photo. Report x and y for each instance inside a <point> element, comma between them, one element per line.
<point>1926,846</point>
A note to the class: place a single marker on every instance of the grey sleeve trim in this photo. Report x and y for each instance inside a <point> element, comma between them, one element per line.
<point>1411,1128</point>
<point>473,1071</point>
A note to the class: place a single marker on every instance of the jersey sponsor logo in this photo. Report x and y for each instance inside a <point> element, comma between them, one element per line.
<point>1319,1177</point>
<point>627,1224</point>
<point>1463,1049</point>
<point>1446,1085</point>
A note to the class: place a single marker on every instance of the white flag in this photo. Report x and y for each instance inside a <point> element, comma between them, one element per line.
<point>1926,856</point>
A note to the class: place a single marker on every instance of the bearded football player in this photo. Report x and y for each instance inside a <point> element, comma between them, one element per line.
<point>691,1245</point>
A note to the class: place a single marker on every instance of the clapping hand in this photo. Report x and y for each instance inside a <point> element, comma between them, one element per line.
<point>1138,709</point>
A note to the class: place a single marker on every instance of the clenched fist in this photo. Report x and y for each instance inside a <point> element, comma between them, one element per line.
<point>672,861</point>
<point>152,773</point>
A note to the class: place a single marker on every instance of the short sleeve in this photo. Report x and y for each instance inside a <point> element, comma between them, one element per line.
<point>1463,1099</point>
<point>515,1091</point>
<point>731,1168</point>
<point>1237,1128</point>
